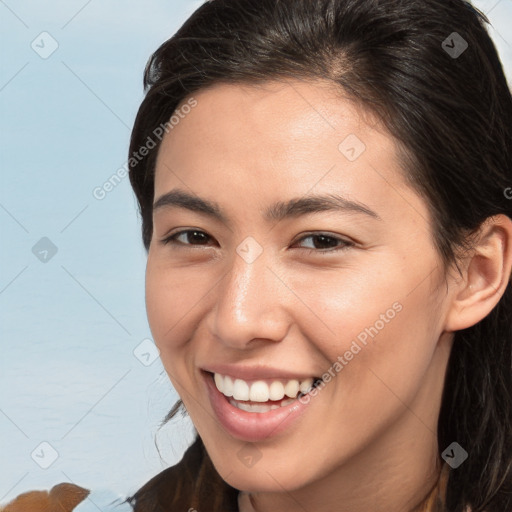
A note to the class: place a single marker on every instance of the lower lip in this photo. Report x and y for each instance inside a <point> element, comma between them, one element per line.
<point>252,426</point>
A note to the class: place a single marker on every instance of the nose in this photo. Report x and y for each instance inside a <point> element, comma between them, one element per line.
<point>251,304</point>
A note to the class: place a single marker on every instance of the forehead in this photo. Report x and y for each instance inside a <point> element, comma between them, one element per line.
<point>272,120</point>
<point>282,138</point>
<point>275,112</point>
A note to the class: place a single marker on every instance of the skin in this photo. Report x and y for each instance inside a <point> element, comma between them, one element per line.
<point>368,440</point>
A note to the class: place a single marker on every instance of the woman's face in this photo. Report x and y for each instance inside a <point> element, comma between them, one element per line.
<point>348,289</point>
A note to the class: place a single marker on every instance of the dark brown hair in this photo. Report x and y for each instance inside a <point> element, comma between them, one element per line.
<point>450,110</point>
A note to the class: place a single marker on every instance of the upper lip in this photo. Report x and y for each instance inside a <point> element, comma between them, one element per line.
<point>256,372</point>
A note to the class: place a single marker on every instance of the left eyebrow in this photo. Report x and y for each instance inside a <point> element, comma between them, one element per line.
<point>280,210</point>
<point>312,204</point>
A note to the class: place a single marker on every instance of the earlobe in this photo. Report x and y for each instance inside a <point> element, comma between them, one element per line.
<point>486,275</point>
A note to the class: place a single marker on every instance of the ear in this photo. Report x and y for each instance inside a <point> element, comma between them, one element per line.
<point>486,273</point>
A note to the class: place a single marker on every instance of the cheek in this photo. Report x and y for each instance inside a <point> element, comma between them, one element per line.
<point>395,367</point>
<point>175,304</point>
<point>172,295</point>
<point>166,307</point>
<point>378,324</point>
<point>346,304</point>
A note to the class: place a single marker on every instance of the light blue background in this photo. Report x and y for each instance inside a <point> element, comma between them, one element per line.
<point>69,326</point>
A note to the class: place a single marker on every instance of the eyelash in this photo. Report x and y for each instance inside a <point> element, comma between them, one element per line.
<point>345,244</point>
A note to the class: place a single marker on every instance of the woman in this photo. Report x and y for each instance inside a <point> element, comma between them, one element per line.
<point>325,196</point>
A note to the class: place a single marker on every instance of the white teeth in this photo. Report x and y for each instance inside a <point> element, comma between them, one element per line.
<point>217,377</point>
<point>240,390</point>
<point>259,408</point>
<point>276,391</point>
<point>260,391</point>
<point>292,388</point>
<point>227,386</point>
<point>306,385</point>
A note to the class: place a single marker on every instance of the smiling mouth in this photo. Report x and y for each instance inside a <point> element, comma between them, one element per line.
<point>261,396</point>
<point>257,420</point>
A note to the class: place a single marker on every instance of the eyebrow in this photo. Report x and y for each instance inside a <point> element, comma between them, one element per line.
<point>280,210</point>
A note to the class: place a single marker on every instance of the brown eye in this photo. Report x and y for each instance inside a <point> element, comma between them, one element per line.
<point>191,237</point>
<point>324,243</point>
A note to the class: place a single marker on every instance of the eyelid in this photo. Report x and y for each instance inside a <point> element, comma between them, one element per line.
<point>344,242</point>
<point>171,238</point>
<point>327,234</point>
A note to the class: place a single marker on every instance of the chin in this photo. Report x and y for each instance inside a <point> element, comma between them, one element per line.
<point>262,477</point>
